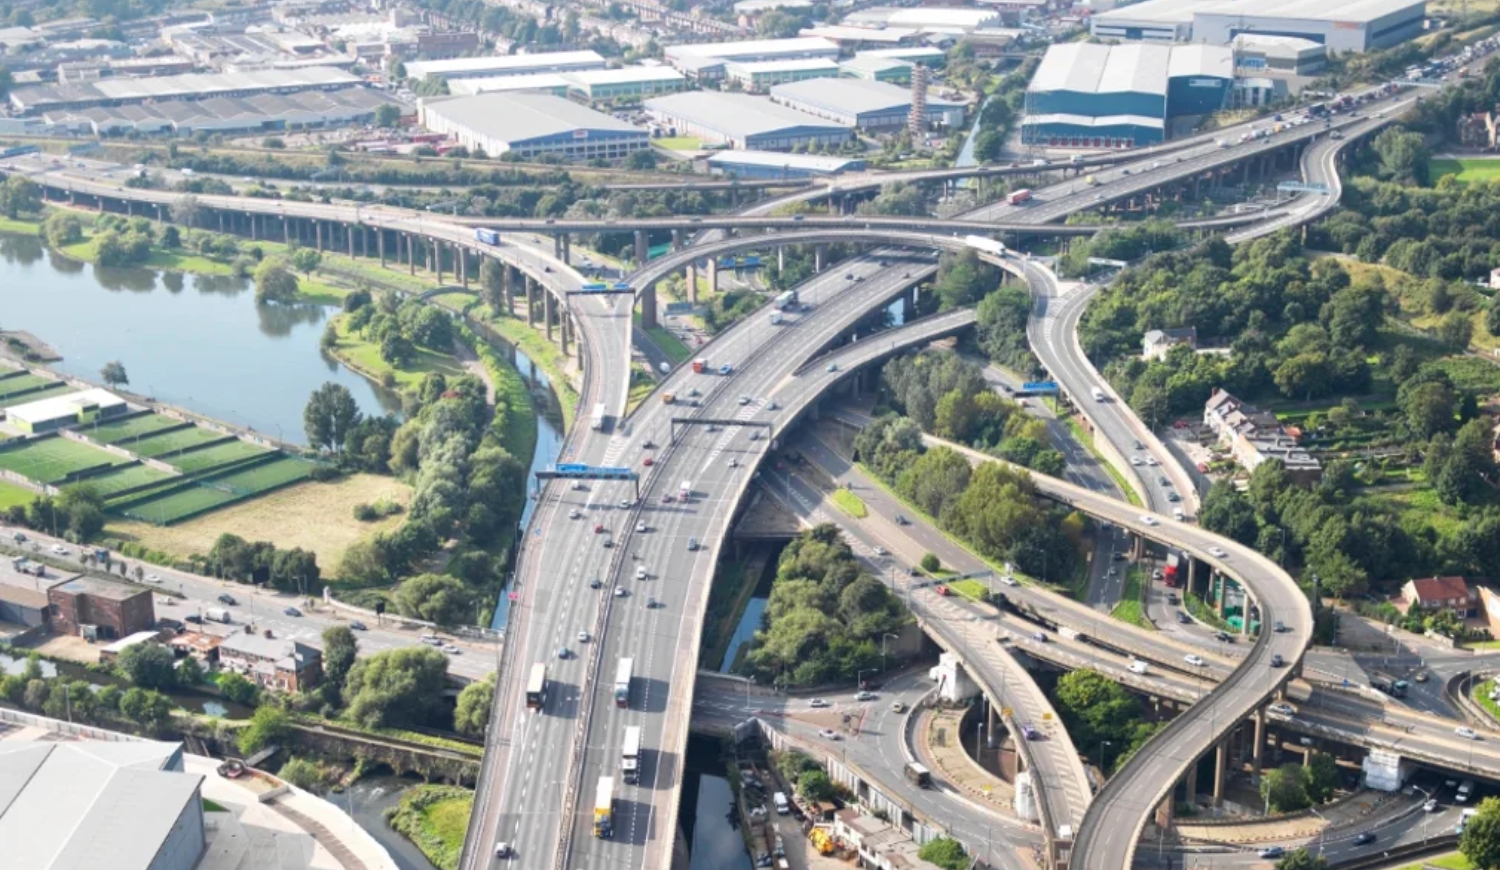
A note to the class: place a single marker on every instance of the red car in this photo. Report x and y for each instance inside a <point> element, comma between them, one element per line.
<point>648,462</point>
<point>598,528</point>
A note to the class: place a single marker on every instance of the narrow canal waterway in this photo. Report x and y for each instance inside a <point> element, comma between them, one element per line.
<point>196,341</point>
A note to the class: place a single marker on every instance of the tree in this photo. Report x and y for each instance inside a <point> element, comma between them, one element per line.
<point>387,115</point>
<point>1403,156</point>
<point>436,598</point>
<point>305,260</point>
<point>151,710</point>
<point>1480,842</point>
<point>186,210</point>
<point>269,725</point>
<point>642,160</point>
<point>62,229</point>
<point>329,415</point>
<point>303,774</point>
<point>472,714</point>
<point>1301,859</point>
<point>1285,789</point>
<point>1492,318</point>
<point>339,651</point>
<point>113,374</point>
<point>815,785</point>
<point>396,687</point>
<point>19,195</point>
<point>492,284</point>
<point>1322,777</point>
<point>238,688</point>
<point>148,665</point>
<point>1456,329</point>
<point>945,852</point>
<point>930,563</point>
<point>274,282</point>
<point>988,146</point>
<point>1429,407</point>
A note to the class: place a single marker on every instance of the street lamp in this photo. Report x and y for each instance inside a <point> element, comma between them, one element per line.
<point>859,676</point>
<point>1102,744</point>
<point>882,648</point>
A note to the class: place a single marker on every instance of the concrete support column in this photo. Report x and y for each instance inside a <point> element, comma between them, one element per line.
<point>567,329</point>
<point>505,276</point>
<point>318,235</point>
<point>1165,813</point>
<point>677,240</point>
<point>380,246</point>
<point>567,256</point>
<point>462,254</point>
<point>641,250</point>
<point>349,237</point>
<point>780,258</point>
<point>549,313</point>
<point>1190,782</point>
<point>713,275</point>
<point>1221,769</point>
<point>648,307</point>
<point>411,255</point>
<point>692,283</point>
<point>1223,586</point>
<point>1258,751</point>
<point>820,253</point>
<point>530,300</point>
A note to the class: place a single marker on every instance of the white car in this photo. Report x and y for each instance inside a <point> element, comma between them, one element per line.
<point>865,696</point>
<point>640,528</point>
<point>583,637</point>
<point>1148,519</point>
<point>1466,732</point>
<point>1151,460</point>
<point>1194,660</point>
<point>881,551</point>
<point>817,702</point>
<point>1217,551</point>
<point>574,514</point>
<point>640,572</point>
<point>1135,460</point>
<point>1283,710</point>
<point>828,734</point>
<point>153,579</point>
<point>59,549</point>
<point>619,591</point>
<point>451,650</point>
<point>733,462</point>
<point>1010,581</point>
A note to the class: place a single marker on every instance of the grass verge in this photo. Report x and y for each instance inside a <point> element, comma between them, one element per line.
<point>547,356</point>
<point>664,339</point>
<point>434,818</point>
<point>213,806</point>
<point>1204,613</point>
<point>11,495</point>
<point>1131,609</point>
<point>363,356</point>
<point>1109,467</point>
<point>850,503</point>
<point>1482,698</point>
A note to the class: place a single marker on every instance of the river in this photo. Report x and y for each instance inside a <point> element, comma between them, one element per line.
<point>196,341</point>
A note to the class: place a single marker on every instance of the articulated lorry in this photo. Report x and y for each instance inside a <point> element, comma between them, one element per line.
<point>630,755</point>
<point>604,808</point>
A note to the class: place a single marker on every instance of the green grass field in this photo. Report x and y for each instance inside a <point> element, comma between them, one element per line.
<point>212,457</point>
<point>267,475</point>
<point>53,459</point>
<point>13,386</point>
<point>679,143</point>
<point>1467,170</point>
<point>124,431</point>
<point>177,505</point>
<point>176,440</point>
<point>11,495</point>
<point>1129,608</point>
<point>364,357</point>
<point>129,476</point>
<point>850,503</point>
<point>219,491</point>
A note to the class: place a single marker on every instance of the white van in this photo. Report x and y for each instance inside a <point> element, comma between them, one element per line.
<point>782,807</point>
<point>1178,515</point>
<point>1138,667</point>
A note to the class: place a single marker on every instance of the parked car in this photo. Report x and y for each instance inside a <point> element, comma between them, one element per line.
<point>357,626</point>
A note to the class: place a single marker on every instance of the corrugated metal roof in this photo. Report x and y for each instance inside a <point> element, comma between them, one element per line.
<point>852,96</point>
<point>522,117</point>
<point>754,48</point>
<point>1325,10</point>
<point>1135,69</point>
<point>513,63</point>
<point>1073,66</point>
<point>737,116</point>
<point>1201,60</point>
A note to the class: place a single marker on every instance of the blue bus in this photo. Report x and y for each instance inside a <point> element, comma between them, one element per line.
<point>489,237</point>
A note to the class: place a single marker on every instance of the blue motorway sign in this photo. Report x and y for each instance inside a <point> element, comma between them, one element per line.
<point>572,468</point>
<point>1040,386</point>
<point>592,472</point>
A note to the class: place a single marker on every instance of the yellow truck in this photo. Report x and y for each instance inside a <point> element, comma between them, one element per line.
<point>821,840</point>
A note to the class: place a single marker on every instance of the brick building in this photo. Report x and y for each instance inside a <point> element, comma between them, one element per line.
<point>114,610</point>
<point>274,663</point>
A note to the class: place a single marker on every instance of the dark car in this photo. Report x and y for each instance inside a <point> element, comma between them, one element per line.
<point>1223,637</point>
<point>193,618</point>
<point>1276,660</point>
<point>1364,838</point>
<point>1183,618</point>
<point>226,598</point>
<point>357,625</point>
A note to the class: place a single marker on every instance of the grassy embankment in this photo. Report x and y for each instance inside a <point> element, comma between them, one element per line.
<point>1131,607</point>
<point>435,818</point>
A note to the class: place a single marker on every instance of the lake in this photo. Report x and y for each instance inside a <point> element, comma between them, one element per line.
<point>196,341</point>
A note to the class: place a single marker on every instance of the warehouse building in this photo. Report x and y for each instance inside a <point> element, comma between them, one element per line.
<point>762,75</point>
<point>962,19</point>
<point>556,84</point>
<point>856,38</point>
<point>629,83</point>
<point>706,61</point>
<point>125,805</point>
<point>1340,25</point>
<point>505,65</point>
<point>1258,54</point>
<point>926,55</point>
<point>100,609</point>
<point>1098,96</point>
<point>122,91</point>
<point>875,107</point>
<point>260,113</point>
<point>531,125</point>
<point>877,69</point>
<point>58,412</point>
<point>774,164</point>
<point>745,122</point>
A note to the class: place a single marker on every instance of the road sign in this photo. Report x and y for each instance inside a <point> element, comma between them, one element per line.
<point>1301,187</point>
<point>1039,387</point>
<point>1101,261</point>
<point>571,467</point>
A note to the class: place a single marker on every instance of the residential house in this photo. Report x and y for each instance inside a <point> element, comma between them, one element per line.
<point>1254,436</point>
<point>880,845</point>
<point>274,663</point>
<point>1479,130</point>
<point>1156,343</point>
<point>1441,593</point>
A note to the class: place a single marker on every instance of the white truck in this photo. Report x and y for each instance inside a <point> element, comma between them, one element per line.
<point>685,490</point>
<point>217,614</point>
<point>630,755</point>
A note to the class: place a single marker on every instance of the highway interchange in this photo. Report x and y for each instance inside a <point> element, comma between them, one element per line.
<point>539,769</point>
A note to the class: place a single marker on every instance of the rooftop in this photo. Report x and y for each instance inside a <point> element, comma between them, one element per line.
<point>82,806</point>
<point>527,82</point>
<point>966,17</point>
<point>845,33</point>
<point>1095,69</point>
<point>624,75</point>
<point>866,63</point>
<point>1098,120</point>
<point>85,585</point>
<point>1440,588</point>
<point>62,406</point>
<point>128,641</point>
<point>521,117</point>
<point>1201,60</point>
<point>259,646</point>
<point>794,64</point>
<point>753,47</point>
<point>500,62</point>
<point>187,85</point>
<point>1182,11</point>
<point>853,96</point>
<point>736,115</point>
<point>779,160</point>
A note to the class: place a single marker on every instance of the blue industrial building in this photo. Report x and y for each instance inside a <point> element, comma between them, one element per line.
<point>1121,96</point>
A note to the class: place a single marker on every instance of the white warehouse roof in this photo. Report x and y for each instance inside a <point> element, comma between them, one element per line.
<point>1096,69</point>
<point>1182,11</point>
<point>501,64</point>
<point>737,116</point>
<point>82,806</point>
<point>522,117</point>
<point>1201,60</point>
<point>780,160</point>
<point>754,48</point>
<point>528,82</point>
<point>44,410</point>
<point>853,96</point>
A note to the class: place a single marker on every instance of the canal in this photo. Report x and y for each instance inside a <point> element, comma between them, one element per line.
<point>712,828</point>
<point>196,341</point>
<point>193,702</point>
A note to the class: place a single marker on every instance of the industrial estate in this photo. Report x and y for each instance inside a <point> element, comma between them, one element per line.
<point>1023,434</point>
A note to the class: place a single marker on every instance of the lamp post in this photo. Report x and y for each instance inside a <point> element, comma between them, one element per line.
<point>1102,744</point>
<point>882,648</point>
<point>859,676</point>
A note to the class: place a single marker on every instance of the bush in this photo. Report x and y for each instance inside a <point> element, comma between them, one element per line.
<point>945,852</point>
<point>366,513</point>
<point>306,775</point>
<point>931,564</point>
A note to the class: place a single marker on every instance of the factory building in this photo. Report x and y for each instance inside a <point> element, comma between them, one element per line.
<point>629,83</point>
<point>259,113</point>
<point>949,19</point>
<point>505,65</point>
<point>746,122</point>
<point>928,56</point>
<point>60,412</point>
<point>1339,25</point>
<point>556,84</point>
<point>1099,96</point>
<point>774,164</point>
<point>762,75</point>
<point>856,38</point>
<point>706,61</point>
<point>1258,54</point>
<point>874,107</point>
<point>531,124</point>
<point>877,69</point>
<point>121,91</point>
